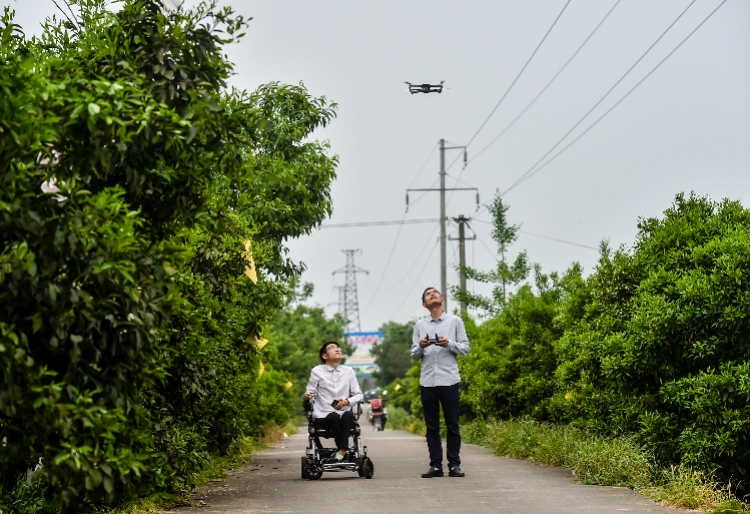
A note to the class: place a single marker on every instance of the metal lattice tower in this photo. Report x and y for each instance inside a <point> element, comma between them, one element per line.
<point>348,302</point>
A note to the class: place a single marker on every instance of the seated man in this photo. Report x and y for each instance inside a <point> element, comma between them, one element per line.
<point>336,390</point>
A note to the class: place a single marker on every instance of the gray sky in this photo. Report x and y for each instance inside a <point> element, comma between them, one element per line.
<point>685,128</point>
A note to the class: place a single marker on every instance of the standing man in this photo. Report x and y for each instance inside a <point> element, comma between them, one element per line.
<point>336,390</point>
<point>438,339</point>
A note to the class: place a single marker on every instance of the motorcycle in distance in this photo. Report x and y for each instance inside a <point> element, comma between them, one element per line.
<point>378,413</point>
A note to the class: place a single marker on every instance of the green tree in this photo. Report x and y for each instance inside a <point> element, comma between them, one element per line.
<point>657,339</point>
<point>506,274</point>
<point>510,371</point>
<point>392,354</point>
<point>144,210</point>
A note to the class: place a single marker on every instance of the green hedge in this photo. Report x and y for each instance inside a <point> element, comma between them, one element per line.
<point>144,212</point>
<point>654,345</point>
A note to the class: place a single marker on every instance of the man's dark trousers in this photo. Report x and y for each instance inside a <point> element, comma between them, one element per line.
<point>340,425</point>
<point>432,399</point>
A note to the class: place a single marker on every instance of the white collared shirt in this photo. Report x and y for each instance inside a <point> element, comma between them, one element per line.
<point>439,365</point>
<point>328,384</point>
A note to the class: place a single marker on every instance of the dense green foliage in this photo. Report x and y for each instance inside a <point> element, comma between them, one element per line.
<point>652,345</point>
<point>298,332</point>
<point>392,355</point>
<point>511,368</point>
<point>658,339</point>
<point>143,213</point>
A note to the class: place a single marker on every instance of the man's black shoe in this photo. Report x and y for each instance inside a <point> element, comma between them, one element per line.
<point>433,472</point>
<point>456,472</point>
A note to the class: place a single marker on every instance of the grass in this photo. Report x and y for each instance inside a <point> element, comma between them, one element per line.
<point>604,461</point>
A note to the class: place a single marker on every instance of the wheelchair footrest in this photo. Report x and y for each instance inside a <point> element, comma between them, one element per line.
<point>340,466</point>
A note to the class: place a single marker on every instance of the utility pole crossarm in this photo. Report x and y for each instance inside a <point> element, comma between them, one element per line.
<point>442,189</point>
<point>445,189</point>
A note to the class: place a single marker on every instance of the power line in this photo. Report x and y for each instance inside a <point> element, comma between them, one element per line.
<point>395,241</point>
<point>546,237</point>
<point>529,175</point>
<point>419,277</point>
<point>519,74</point>
<point>425,246</point>
<point>559,240</point>
<point>434,149</point>
<point>603,97</point>
<point>548,83</point>
<point>380,223</point>
<point>487,247</point>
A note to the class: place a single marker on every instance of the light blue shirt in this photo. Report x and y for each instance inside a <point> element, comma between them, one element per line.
<point>440,365</point>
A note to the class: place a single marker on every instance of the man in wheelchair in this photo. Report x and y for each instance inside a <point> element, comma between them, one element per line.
<point>333,391</point>
<point>336,390</point>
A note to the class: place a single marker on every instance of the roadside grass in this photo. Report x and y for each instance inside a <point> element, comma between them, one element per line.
<point>597,460</point>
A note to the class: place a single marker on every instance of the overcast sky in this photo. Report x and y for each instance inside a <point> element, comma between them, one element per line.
<point>685,128</point>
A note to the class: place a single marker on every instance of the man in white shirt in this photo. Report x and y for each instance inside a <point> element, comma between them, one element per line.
<point>336,391</point>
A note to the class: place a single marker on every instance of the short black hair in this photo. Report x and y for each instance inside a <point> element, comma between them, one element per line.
<point>324,348</point>
<point>425,292</point>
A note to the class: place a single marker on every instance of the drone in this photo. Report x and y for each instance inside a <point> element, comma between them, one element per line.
<point>425,88</point>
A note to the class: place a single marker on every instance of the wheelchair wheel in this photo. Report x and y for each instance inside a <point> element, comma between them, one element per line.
<point>304,468</point>
<point>367,468</point>
<point>314,471</point>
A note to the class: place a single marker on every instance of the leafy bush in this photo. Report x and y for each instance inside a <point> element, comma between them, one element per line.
<point>510,371</point>
<point>144,210</point>
<point>392,356</point>
<point>661,349</point>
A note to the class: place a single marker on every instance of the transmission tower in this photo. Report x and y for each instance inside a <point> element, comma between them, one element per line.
<point>348,302</point>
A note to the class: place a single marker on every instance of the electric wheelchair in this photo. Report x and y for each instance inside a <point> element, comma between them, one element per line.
<point>317,456</point>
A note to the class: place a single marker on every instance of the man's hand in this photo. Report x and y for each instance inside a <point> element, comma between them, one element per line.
<point>424,343</point>
<point>341,404</point>
<point>307,396</point>
<point>442,341</point>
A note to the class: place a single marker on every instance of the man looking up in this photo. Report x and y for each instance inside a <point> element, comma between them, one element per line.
<point>336,390</point>
<point>437,340</point>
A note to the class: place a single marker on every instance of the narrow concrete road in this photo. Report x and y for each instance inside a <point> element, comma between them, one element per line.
<point>272,483</point>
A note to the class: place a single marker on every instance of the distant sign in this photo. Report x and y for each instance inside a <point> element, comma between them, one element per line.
<point>362,360</point>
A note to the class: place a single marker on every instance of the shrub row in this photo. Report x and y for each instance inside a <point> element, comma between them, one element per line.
<point>144,209</point>
<point>654,344</point>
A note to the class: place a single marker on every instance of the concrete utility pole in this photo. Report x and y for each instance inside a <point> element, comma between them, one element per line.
<point>461,220</point>
<point>443,264</point>
<point>348,302</point>
<point>443,189</point>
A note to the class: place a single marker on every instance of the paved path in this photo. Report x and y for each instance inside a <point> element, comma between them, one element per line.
<point>272,484</point>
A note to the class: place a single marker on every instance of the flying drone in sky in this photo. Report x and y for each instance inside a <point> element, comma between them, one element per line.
<point>425,88</point>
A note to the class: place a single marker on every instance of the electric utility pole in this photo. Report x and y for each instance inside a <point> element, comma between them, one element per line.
<point>461,220</point>
<point>348,302</point>
<point>443,189</point>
